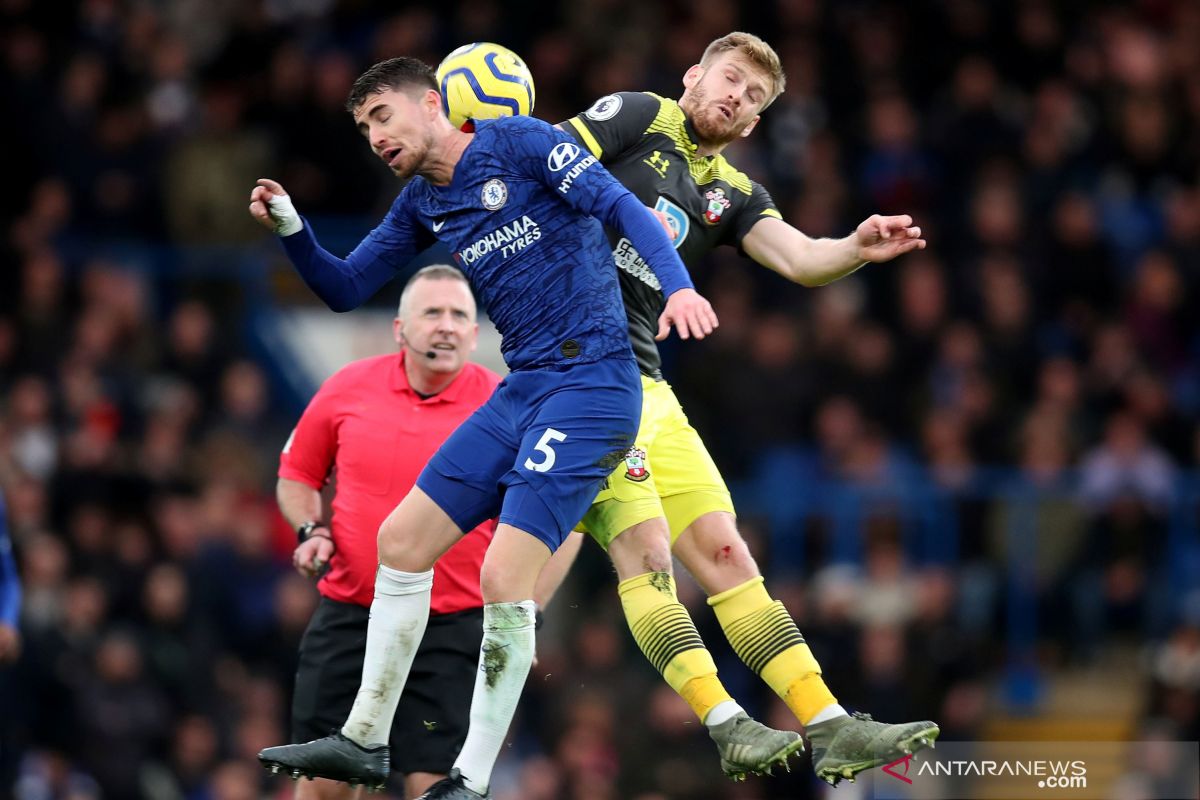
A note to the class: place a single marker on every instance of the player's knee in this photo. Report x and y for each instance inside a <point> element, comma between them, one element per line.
<point>639,560</point>
<point>714,540</point>
<point>492,586</point>
<point>397,552</point>
<point>645,547</point>
<point>656,554</point>
<point>734,558</point>
<point>655,560</point>
<point>505,584</point>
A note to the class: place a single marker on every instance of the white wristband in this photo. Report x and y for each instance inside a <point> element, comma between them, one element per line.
<point>287,221</point>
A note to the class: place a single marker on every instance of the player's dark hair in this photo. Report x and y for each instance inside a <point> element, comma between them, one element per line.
<point>400,74</point>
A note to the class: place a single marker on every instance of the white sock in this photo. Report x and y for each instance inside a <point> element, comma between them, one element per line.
<point>722,712</point>
<point>504,661</point>
<point>399,613</point>
<point>832,711</point>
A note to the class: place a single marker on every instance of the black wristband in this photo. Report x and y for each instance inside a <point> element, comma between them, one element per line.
<point>305,530</point>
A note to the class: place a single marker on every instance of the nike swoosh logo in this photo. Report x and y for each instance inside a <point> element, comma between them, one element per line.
<point>437,226</point>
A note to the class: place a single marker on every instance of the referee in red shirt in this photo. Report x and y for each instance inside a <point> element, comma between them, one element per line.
<point>376,422</point>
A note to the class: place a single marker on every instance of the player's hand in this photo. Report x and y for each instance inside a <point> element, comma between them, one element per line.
<point>10,643</point>
<point>689,313</point>
<point>311,556</point>
<point>883,238</point>
<point>271,206</point>
<point>665,221</point>
<point>260,195</point>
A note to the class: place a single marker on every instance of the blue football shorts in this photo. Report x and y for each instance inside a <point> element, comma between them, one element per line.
<point>537,452</point>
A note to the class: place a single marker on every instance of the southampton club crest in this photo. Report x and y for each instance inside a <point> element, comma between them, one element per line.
<point>635,465</point>
<point>494,194</point>
<point>717,203</point>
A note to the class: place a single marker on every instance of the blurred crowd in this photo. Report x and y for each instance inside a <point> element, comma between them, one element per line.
<point>1009,413</point>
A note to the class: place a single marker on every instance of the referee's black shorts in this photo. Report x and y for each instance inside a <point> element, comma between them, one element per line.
<point>434,712</point>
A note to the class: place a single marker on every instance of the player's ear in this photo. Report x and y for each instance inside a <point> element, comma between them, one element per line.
<point>398,331</point>
<point>692,76</point>
<point>749,127</point>
<point>432,100</point>
<point>474,337</point>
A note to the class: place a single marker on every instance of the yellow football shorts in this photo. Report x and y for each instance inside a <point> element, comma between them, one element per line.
<point>668,473</point>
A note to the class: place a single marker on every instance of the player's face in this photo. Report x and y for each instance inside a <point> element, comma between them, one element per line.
<point>723,99</point>
<point>398,129</point>
<point>438,317</point>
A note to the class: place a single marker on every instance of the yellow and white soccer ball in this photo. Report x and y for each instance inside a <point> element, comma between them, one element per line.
<point>484,81</point>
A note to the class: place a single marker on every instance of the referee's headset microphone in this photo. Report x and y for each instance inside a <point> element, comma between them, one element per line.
<point>430,354</point>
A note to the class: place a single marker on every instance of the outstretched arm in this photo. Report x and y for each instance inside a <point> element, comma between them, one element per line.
<point>582,183</point>
<point>816,262</point>
<point>343,284</point>
<point>686,311</point>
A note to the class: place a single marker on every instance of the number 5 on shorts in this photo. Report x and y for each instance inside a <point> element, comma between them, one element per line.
<point>543,446</point>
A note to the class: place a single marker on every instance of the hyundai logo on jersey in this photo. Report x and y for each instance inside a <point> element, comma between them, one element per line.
<point>561,155</point>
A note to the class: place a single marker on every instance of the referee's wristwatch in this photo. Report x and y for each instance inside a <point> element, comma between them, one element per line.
<point>304,532</point>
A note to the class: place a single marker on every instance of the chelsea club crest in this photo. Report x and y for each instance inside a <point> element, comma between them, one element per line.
<point>494,194</point>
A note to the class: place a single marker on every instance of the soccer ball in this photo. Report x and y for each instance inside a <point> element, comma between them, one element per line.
<point>484,81</point>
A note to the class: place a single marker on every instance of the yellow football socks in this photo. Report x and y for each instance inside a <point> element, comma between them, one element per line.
<point>662,628</point>
<point>766,638</point>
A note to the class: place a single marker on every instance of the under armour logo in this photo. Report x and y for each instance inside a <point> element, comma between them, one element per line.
<point>658,163</point>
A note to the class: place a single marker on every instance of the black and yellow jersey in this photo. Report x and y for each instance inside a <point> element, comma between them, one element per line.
<point>649,145</point>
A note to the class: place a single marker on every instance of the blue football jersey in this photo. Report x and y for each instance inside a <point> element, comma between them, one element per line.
<point>521,215</point>
<point>518,218</point>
